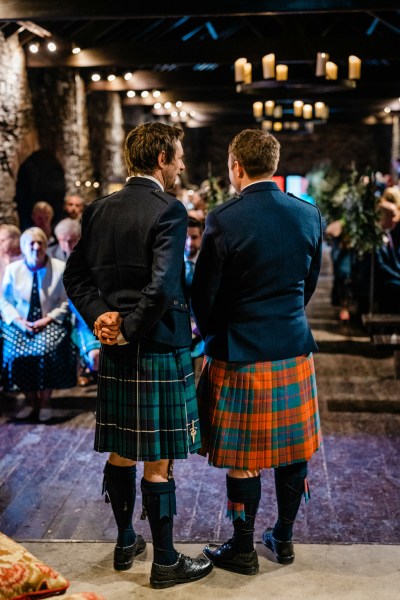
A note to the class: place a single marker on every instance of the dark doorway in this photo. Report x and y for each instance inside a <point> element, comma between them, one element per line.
<point>40,177</point>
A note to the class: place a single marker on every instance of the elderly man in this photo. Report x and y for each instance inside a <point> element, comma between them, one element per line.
<point>126,278</point>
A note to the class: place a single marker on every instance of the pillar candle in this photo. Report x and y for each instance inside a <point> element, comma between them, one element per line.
<point>257,110</point>
<point>298,108</point>
<point>268,66</point>
<point>266,125</point>
<point>354,67</point>
<point>269,107</point>
<point>239,69</point>
<point>247,73</point>
<point>281,72</point>
<point>319,110</point>
<point>331,70</point>
<point>322,59</point>
<point>307,111</point>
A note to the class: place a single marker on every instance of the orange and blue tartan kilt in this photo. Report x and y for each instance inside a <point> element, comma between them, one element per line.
<point>258,415</point>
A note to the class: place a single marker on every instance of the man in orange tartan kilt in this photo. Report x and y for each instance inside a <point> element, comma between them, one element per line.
<point>257,269</point>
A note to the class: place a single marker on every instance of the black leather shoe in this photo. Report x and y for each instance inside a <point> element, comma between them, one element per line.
<point>123,557</point>
<point>225,557</point>
<point>184,570</point>
<point>283,551</point>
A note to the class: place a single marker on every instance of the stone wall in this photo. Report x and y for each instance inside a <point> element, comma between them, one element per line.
<point>18,136</point>
<point>107,137</point>
<point>59,99</point>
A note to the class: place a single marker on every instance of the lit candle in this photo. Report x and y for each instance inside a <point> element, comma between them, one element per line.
<point>307,111</point>
<point>319,110</point>
<point>269,107</point>
<point>281,72</point>
<point>277,126</point>
<point>322,58</point>
<point>247,73</point>
<point>298,108</point>
<point>257,110</point>
<point>325,112</point>
<point>239,69</point>
<point>268,66</point>
<point>331,70</point>
<point>277,112</point>
<point>354,67</point>
<point>266,125</point>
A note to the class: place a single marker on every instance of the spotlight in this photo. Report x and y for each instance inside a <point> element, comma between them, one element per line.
<point>167,105</point>
<point>111,77</point>
<point>178,104</point>
<point>157,105</point>
<point>96,184</point>
<point>96,77</point>
<point>77,183</point>
<point>34,48</point>
<point>128,76</point>
<point>51,47</point>
<point>131,94</point>
<point>144,94</point>
<point>156,93</point>
<point>174,113</point>
<point>76,50</point>
<point>88,183</point>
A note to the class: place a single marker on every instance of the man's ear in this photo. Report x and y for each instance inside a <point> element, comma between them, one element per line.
<point>161,160</point>
<point>240,170</point>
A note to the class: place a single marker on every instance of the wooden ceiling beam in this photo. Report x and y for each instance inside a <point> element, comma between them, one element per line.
<point>104,9</point>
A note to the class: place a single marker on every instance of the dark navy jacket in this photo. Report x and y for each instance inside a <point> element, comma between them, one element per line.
<point>257,269</point>
<point>130,259</point>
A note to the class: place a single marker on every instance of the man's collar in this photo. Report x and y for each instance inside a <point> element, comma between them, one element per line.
<point>151,177</point>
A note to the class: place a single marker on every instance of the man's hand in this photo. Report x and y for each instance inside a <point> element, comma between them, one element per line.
<point>23,325</point>
<point>107,327</point>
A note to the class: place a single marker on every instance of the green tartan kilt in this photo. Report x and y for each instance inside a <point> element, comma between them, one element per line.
<point>146,403</point>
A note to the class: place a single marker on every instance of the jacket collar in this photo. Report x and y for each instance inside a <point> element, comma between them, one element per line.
<point>260,186</point>
<point>143,181</point>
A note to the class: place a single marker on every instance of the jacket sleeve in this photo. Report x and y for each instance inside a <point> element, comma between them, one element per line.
<point>315,267</point>
<point>166,277</point>
<point>208,274</point>
<point>8,311</point>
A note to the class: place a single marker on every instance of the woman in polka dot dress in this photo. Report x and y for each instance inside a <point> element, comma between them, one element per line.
<point>38,355</point>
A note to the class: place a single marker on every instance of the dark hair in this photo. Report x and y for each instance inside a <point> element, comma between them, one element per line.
<point>257,151</point>
<point>144,144</point>
<point>192,222</point>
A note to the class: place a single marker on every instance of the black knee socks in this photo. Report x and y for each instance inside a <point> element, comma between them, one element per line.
<point>160,505</point>
<point>289,486</point>
<point>120,486</point>
<point>248,492</point>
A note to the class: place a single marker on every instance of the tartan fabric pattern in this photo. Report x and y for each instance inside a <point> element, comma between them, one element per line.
<point>146,405</point>
<point>258,415</point>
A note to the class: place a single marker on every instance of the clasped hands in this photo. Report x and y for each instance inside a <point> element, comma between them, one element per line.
<point>107,328</point>
<point>32,326</point>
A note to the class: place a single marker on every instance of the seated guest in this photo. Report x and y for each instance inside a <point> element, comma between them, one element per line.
<point>9,246</point>
<point>42,217</point>
<point>387,259</point>
<point>192,248</point>
<point>68,232</point>
<point>73,206</point>
<point>38,354</point>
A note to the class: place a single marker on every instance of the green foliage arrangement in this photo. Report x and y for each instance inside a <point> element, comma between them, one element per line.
<point>349,197</point>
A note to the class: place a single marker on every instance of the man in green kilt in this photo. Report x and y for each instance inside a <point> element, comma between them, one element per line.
<point>126,279</point>
<point>257,269</point>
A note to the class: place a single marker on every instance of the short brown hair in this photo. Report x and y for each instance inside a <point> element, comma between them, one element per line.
<point>257,151</point>
<point>144,143</point>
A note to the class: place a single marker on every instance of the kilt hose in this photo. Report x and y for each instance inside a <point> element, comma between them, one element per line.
<point>258,415</point>
<point>146,403</point>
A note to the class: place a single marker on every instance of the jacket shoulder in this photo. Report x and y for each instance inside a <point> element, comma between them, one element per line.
<point>226,205</point>
<point>309,204</point>
<point>165,197</point>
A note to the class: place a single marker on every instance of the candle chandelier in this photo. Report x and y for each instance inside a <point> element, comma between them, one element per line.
<point>303,113</point>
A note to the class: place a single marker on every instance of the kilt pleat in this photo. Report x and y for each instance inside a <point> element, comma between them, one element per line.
<point>258,415</point>
<point>146,406</point>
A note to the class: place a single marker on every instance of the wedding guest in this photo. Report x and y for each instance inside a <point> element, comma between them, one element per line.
<point>38,354</point>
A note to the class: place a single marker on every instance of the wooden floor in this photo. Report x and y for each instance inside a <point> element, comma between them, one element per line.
<point>50,478</point>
